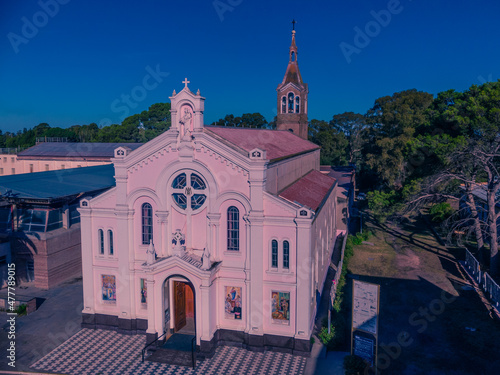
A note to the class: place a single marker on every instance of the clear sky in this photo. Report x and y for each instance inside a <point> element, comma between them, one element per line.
<point>68,62</point>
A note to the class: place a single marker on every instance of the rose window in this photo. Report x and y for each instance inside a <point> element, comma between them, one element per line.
<point>189,191</point>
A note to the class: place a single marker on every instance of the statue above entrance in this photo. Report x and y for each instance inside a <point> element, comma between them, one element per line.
<point>178,240</point>
<point>150,253</point>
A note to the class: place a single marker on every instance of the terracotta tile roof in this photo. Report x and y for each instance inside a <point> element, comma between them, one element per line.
<point>278,144</point>
<point>309,190</point>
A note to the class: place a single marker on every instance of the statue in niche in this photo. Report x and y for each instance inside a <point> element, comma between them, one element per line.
<point>185,122</point>
<point>150,253</point>
<point>205,259</point>
<point>178,240</point>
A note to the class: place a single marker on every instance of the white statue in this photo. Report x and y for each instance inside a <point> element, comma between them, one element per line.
<point>178,240</point>
<point>150,253</point>
<point>205,259</point>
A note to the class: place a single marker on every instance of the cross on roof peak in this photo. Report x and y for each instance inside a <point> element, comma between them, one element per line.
<point>186,83</point>
<point>293,23</point>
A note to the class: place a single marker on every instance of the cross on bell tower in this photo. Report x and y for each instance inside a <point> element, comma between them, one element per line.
<point>292,96</point>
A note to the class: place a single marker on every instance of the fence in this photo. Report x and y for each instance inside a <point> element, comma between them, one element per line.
<point>473,266</point>
<point>51,139</point>
<point>492,288</point>
<point>484,280</point>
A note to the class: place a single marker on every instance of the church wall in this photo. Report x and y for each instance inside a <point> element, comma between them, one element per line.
<point>283,173</point>
<point>231,258</point>
<point>324,233</point>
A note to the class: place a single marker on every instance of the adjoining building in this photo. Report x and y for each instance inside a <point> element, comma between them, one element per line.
<point>223,233</point>
<point>40,225</point>
<point>48,155</point>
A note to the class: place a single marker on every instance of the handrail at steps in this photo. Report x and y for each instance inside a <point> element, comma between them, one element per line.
<point>151,343</point>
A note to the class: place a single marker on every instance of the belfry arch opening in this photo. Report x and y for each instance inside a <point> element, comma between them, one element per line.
<point>179,306</point>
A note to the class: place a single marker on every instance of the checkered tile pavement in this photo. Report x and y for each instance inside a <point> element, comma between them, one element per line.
<point>107,352</point>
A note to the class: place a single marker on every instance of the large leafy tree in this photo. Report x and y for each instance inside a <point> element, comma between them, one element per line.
<point>333,143</point>
<point>353,125</point>
<point>393,121</point>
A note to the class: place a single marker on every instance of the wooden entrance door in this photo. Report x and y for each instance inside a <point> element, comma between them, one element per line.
<point>179,304</point>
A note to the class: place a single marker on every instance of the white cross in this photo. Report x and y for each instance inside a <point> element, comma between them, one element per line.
<point>186,82</point>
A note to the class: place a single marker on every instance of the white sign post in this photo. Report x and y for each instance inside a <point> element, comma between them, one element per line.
<point>365,311</point>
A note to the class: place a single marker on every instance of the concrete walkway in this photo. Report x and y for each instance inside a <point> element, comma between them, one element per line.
<point>37,334</point>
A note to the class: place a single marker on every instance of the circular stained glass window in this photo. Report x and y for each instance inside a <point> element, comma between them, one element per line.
<point>189,191</point>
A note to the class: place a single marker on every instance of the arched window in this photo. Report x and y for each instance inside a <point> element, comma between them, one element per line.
<point>101,241</point>
<point>286,254</point>
<point>297,104</point>
<point>147,223</point>
<point>293,56</point>
<point>233,229</point>
<point>283,104</point>
<point>291,97</point>
<point>110,241</point>
<point>274,254</point>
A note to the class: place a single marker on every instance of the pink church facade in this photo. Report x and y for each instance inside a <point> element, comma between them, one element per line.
<point>226,233</point>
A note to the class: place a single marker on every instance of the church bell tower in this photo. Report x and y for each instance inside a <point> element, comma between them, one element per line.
<point>292,97</point>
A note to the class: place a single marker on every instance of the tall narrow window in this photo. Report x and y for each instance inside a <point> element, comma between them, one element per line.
<point>101,241</point>
<point>286,254</point>
<point>110,239</point>
<point>274,254</point>
<point>297,104</point>
<point>283,104</point>
<point>290,102</point>
<point>147,223</point>
<point>233,229</point>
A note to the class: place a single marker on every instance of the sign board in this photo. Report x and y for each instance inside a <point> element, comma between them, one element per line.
<point>365,300</point>
<point>364,347</point>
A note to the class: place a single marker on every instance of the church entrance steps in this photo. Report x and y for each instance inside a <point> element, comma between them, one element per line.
<point>179,349</point>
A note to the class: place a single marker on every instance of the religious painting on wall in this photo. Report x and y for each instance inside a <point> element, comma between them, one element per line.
<point>108,288</point>
<point>280,307</point>
<point>144,292</point>
<point>232,302</point>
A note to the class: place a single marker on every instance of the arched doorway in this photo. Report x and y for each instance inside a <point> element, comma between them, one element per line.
<point>179,306</point>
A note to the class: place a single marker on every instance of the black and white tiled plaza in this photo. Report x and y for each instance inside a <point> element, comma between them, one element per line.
<point>107,352</point>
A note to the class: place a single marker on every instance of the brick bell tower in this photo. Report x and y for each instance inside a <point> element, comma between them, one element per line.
<point>292,97</point>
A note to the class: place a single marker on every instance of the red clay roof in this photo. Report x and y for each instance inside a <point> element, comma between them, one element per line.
<point>310,190</point>
<point>278,144</point>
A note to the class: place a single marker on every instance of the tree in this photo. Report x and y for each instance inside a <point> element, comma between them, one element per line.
<point>247,120</point>
<point>393,121</point>
<point>353,125</point>
<point>333,143</point>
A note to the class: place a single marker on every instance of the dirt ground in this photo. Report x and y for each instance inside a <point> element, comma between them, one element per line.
<point>432,321</point>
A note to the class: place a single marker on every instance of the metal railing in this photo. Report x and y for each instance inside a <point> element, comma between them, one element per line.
<point>151,343</point>
<point>492,288</point>
<point>473,266</point>
<point>193,350</point>
<point>483,279</point>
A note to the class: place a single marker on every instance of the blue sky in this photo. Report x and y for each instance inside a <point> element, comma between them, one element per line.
<point>69,62</point>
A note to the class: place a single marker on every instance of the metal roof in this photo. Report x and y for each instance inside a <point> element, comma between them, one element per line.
<point>74,150</point>
<point>56,185</point>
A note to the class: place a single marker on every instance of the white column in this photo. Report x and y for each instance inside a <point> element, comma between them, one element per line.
<point>304,278</point>
<point>87,260</point>
<point>151,305</point>
<point>203,312</point>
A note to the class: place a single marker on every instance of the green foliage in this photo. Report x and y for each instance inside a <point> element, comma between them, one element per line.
<point>440,212</point>
<point>333,143</point>
<point>382,204</point>
<point>327,338</point>
<point>21,310</point>
<point>354,365</point>
<point>247,120</point>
